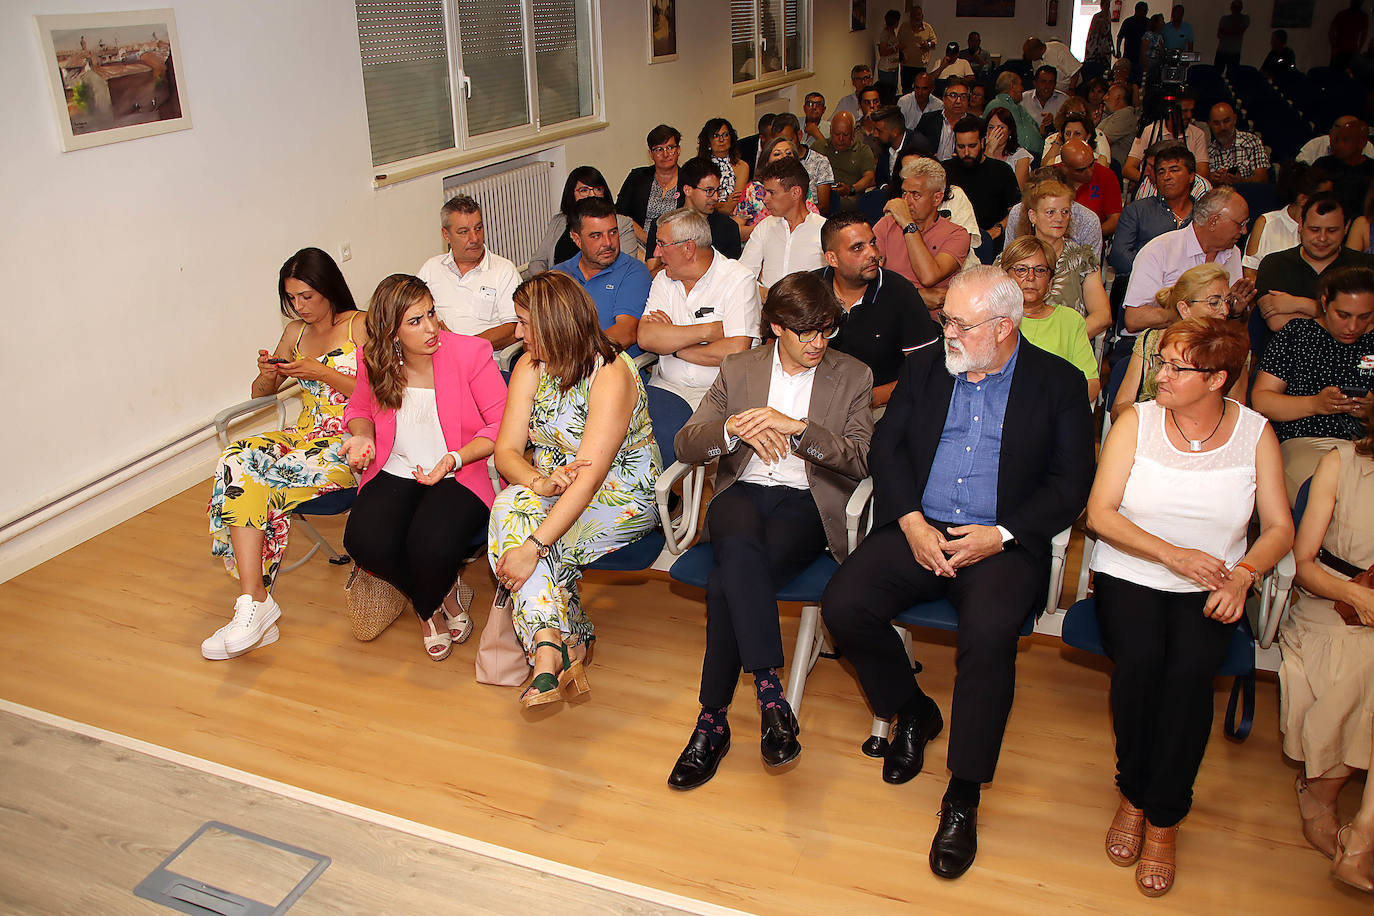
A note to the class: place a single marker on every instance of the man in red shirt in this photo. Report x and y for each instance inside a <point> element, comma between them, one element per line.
<point>1096,186</point>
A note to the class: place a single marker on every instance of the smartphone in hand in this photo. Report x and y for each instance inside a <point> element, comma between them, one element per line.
<point>502,597</point>
<point>1354,392</point>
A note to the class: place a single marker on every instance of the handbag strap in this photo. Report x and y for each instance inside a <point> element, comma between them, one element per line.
<point>1343,567</point>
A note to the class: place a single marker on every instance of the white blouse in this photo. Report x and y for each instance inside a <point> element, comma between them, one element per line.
<point>419,437</point>
<point>1196,500</point>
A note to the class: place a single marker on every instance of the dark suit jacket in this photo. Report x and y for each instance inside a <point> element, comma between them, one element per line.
<point>930,127</point>
<point>633,199</point>
<point>834,445</point>
<point>1047,460</point>
<point>912,142</point>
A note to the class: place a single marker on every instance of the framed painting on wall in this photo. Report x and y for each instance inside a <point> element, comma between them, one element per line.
<point>1004,9</point>
<point>858,15</point>
<point>662,31</point>
<point>1293,14</point>
<point>113,76</point>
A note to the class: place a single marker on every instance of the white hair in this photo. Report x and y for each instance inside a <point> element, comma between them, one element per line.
<point>992,289</point>
<point>930,170</point>
<point>689,225</point>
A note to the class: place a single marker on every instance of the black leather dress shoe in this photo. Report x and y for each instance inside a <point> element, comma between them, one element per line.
<point>697,763</point>
<point>906,750</point>
<point>779,744</point>
<point>956,842</point>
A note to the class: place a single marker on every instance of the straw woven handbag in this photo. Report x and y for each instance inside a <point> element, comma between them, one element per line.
<point>373,603</point>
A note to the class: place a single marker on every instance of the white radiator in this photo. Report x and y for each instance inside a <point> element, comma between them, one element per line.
<point>516,206</point>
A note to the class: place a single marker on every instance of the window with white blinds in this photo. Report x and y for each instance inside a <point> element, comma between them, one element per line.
<point>456,75</point>
<point>768,39</point>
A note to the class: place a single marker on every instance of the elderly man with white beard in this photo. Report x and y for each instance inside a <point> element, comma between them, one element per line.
<point>984,454</point>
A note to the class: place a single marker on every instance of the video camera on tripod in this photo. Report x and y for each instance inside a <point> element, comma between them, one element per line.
<point>1173,83</point>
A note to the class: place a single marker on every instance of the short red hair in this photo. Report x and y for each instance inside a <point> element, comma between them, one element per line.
<point>1210,343</point>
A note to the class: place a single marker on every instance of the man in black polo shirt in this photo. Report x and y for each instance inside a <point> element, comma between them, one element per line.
<point>701,191</point>
<point>989,183</point>
<point>1286,283</point>
<point>885,317</point>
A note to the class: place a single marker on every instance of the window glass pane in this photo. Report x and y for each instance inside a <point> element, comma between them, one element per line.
<point>563,59</point>
<point>491,34</point>
<point>742,41</point>
<point>405,78</point>
<point>794,35</point>
<point>770,36</point>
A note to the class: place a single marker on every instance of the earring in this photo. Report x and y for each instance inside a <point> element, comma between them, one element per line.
<point>396,345</point>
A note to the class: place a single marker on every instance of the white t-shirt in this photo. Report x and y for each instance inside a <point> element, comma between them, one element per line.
<point>1058,56</point>
<point>1320,146</point>
<point>476,301</point>
<point>774,251</point>
<point>727,293</point>
<point>1280,234</point>
<point>419,437</point>
<point>913,112</point>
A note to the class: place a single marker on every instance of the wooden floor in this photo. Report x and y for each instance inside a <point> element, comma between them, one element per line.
<point>108,634</point>
<point>85,821</point>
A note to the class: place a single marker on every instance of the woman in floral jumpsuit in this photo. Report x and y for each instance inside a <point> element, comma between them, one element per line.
<point>260,479</point>
<point>590,488</point>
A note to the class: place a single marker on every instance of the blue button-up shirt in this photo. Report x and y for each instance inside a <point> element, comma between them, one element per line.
<point>962,487</point>
<point>621,289</point>
<point>1140,222</point>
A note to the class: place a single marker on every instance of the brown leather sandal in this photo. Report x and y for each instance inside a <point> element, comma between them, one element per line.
<point>1319,823</point>
<point>1157,859</point>
<point>1128,830</point>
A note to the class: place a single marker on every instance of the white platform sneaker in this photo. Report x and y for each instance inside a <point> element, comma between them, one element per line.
<point>253,626</point>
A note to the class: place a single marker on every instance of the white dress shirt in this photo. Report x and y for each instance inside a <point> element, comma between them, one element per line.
<point>913,112</point>
<point>789,395</point>
<point>774,251</point>
<point>1163,258</point>
<point>1281,232</point>
<point>1031,102</point>
<point>727,293</point>
<point>476,301</point>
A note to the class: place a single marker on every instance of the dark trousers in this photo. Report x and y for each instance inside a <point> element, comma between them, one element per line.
<point>1226,62</point>
<point>1166,654</point>
<point>414,536</point>
<point>762,537</point>
<point>993,598</point>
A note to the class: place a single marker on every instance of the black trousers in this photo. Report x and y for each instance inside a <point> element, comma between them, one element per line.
<point>1167,654</point>
<point>762,537</point>
<point>414,536</point>
<point>993,598</point>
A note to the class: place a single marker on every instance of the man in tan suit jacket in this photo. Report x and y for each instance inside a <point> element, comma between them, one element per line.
<point>790,422</point>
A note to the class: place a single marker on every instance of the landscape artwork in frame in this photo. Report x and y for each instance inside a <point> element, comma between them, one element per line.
<point>985,8</point>
<point>662,31</point>
<point>113,76</point>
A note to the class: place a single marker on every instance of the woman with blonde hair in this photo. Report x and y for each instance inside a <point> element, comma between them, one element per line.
<point>1326,680</point>
<point>1203,291</point>
<point>1059,330</point>
<point>422,422</point>
<point>590,486</point>
<point>1046,209</point>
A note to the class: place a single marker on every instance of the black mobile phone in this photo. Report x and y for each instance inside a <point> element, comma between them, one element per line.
<point>1354,392</point>
<point>277,360</point>
<point>502,596</point>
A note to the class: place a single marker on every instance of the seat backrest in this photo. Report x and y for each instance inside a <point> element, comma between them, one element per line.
<point>669,413</point>
<point>1300,501</point>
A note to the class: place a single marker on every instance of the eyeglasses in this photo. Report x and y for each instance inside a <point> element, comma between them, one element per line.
<point>662,244</point>
<point>665,148</point>
<point>709,192</point>
<point>1216,301</point>
<point>721,135</point>
<point>1158,364</point>
<point>808,336</point>
<point>812,103</point>
<point>959,327</point>
<point>1021,271</point>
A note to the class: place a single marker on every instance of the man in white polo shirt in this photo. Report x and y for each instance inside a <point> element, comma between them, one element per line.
<point>1219,220</point>
<point>472,287</point>
<point>702,306</point>
<point>790,239</point>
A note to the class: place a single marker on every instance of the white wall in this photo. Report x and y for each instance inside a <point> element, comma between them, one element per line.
<point>142,275</point>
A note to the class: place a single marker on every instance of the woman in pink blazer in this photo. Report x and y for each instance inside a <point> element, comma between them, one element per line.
<point>423,420</point>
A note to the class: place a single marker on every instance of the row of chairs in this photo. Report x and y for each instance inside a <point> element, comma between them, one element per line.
<point>692,566</point>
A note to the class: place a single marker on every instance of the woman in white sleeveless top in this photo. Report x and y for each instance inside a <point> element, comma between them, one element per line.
<point>1176,485</point>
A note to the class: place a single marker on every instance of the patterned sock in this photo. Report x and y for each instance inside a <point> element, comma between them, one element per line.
<point>711,723</point>
<point>768,686</point>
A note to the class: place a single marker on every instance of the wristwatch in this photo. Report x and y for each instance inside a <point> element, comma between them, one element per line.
<point>909,228</point>
<point>543,548</point>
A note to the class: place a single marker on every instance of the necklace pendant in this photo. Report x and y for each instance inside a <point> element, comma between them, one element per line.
<point>1194,445</point>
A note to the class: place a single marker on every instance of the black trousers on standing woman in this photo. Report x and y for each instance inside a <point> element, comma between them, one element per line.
<point>414,536</point>
<point>1167,655</point>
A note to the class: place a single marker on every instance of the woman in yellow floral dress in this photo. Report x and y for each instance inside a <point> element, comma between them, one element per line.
<point>590,488</point>
<point>260,479</point>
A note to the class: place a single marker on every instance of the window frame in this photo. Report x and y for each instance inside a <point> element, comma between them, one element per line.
<point>783,76</point>
<point>532,136</point>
